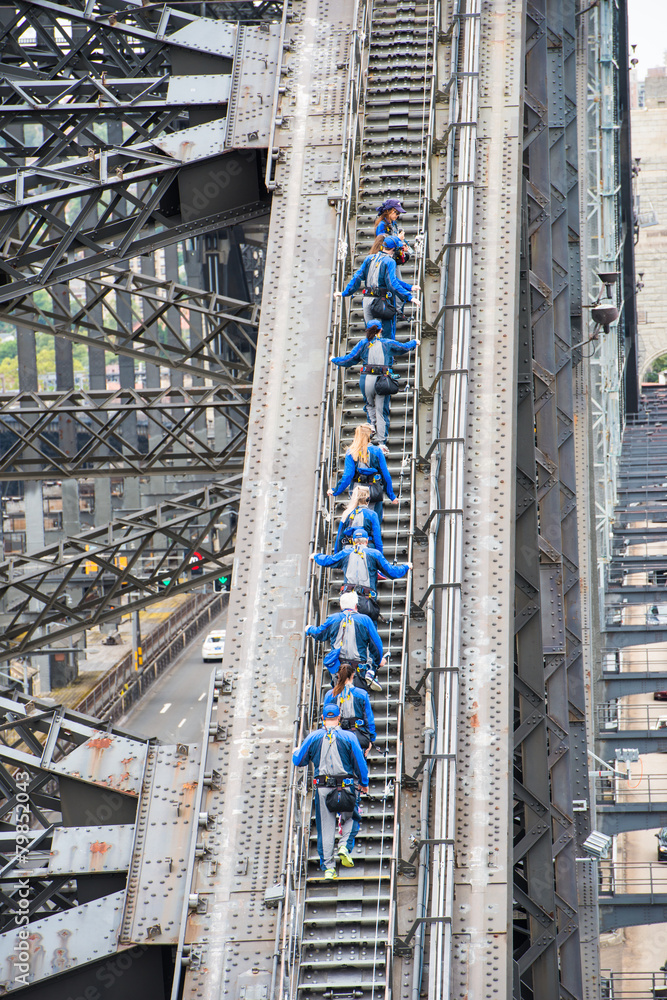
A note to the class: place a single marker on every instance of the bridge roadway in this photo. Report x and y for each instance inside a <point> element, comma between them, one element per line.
<point>174,709</point>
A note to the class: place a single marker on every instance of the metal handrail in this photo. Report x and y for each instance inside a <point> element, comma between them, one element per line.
<point>271,159</point>
<point>286,953</point>
<point>451,449</point>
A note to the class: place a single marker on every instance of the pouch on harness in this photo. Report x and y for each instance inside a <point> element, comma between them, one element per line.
<point>341,799</point>
<point>381,307</point>
<point>387,385</point>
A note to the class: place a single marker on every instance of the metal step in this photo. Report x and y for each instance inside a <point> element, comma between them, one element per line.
<point>345,922</point>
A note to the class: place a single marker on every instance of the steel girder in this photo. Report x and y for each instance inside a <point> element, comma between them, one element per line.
<point>157,325</point>
<point>124,563</point>
<point>103,427</point>
<point>35,741</point>
<point>92,170</point>
<point>550,735</point>
<point>89,813</point>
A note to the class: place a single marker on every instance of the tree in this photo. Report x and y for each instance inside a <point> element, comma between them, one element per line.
<point>657,366</point>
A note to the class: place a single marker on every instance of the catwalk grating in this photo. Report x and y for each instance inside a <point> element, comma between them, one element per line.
<point>345,936</point>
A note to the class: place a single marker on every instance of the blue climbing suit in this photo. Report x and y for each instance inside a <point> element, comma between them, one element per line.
<point>374,470</point>
<point>360,517</point>
<point>378,274</point>
<point>353,637</point>
<point>355,708</point>
<point>333,752</point>
<point>361,565</point>
<point>375,356</point>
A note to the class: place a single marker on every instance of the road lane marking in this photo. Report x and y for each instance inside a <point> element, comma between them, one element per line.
<point>181,723</point>
<point>165,708</point>
<point>202,695</point>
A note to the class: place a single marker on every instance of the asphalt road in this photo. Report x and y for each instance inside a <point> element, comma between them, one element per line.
<point>173,708</point>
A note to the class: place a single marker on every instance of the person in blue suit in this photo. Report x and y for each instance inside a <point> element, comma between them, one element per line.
<point>356,716</point>
<point>376,357</point>
<point>365,464</point>
<point>378,276</point>
<point>356,712</point>
<point>358,514</point>
<point>353,639</point>
<point>360,567</point>
<point>337,760</point>
<point>388,214</point>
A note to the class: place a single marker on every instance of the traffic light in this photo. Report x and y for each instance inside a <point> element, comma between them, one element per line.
<point>221,585</point>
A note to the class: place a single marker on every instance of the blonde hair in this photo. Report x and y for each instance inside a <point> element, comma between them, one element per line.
<point>360,442</point>
<point>361,496</point>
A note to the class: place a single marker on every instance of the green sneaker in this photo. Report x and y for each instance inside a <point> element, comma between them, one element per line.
<point>331,873</point>
<point>345,856</point>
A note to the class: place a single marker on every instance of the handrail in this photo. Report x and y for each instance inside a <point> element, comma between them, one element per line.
<point>271,159</point>
<point>285,964</point>
<point>458,256</point>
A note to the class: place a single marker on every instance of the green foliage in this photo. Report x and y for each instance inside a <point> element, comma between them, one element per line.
<point>9,373</point>
<point>8,349</point>
<point>657,366</point>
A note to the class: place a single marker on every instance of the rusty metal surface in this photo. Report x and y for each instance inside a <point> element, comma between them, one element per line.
<point>167,820</point>
<point>62,941</point>
<point>79,849</point>
<point>106,759</point>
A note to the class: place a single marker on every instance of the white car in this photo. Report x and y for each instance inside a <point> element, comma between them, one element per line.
<point>213,646</point>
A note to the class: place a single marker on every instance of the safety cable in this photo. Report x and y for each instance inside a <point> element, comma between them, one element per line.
<point>324,532</point>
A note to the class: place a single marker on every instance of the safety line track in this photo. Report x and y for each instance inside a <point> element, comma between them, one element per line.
<point>346,926</point>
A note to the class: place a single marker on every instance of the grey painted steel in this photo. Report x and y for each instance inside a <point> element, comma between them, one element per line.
<point>635,595</point>
<point>103,438</point>
<point>63,941</point>
<point>186,181</point>
<point>158,876</point>
<point>625,816</point>
<point>93,317</point>
<point>634,635</point>
<point>114,823</point>
<point>77,850</point>
<point>549,685</point>
<point>242,856</point>
<point>104,758</point>
<point>166,535</point>
<point>482,960</point>
<point>631,909</point>
<point>620,685</point>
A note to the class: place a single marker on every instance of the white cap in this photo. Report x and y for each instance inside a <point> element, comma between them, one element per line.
<point>348,601</point>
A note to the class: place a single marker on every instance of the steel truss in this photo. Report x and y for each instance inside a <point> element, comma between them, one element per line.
<point>90,170</point>
<point>130,562</point>
<point>550,736</point>
<point>160,321</point>
<point>89,813</point>
<point>102,427</point>
<point>36,740</point>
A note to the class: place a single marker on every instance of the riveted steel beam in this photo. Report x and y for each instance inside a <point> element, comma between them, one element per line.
<point>106,151</point>
<point>550,739</point>
<point>103,438</point>
<point>134,560</point>
<point>156,325</point>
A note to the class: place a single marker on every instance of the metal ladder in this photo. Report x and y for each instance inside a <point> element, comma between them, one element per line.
<point>346,948</point>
